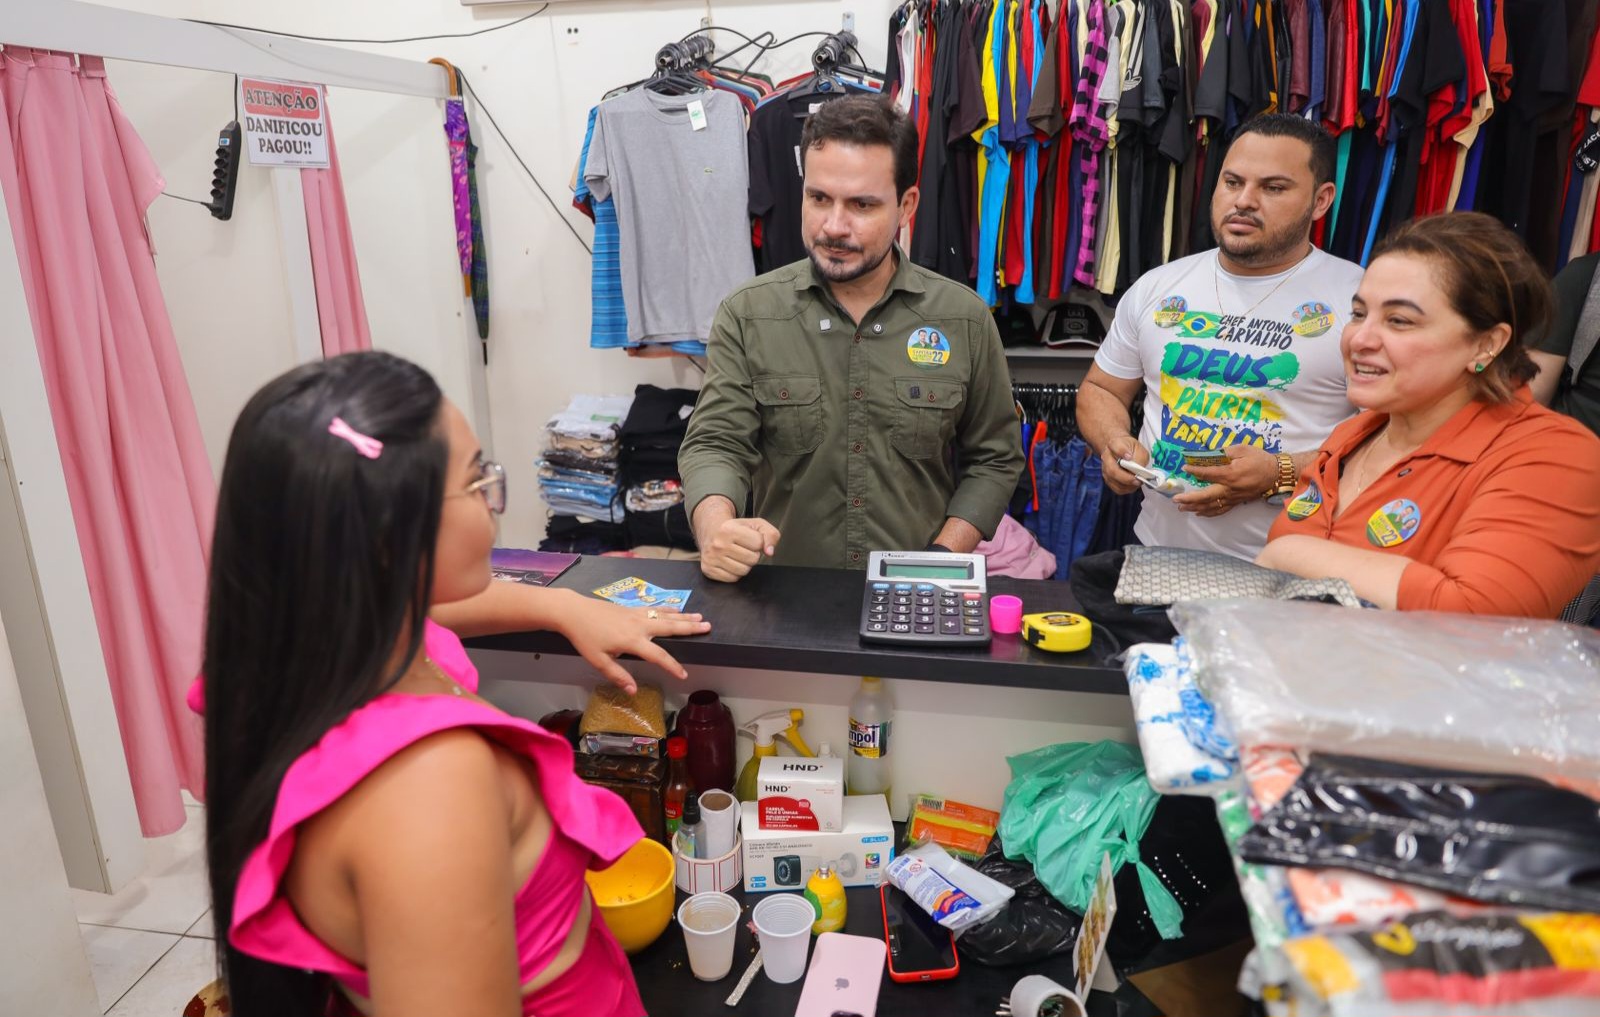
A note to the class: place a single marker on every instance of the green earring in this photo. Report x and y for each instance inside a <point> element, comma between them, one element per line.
<point>1477,368</point>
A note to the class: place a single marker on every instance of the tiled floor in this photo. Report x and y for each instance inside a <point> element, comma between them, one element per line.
<point>150,945</point>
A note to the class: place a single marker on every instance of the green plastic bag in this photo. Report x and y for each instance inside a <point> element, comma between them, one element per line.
<point>1069,804</point>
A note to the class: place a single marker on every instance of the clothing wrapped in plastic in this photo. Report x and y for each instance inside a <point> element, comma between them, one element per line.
<point>1454,691</point>
<point>1435,964</point>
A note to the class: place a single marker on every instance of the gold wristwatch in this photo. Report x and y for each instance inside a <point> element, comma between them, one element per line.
<point>1283,487</point>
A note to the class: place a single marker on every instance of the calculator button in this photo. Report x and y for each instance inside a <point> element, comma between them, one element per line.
<point>903,618</point>
<point>902,599</point>
<point>880,598</point>
<point>924,629</point>
<point>925,612</point>
<point>948,611</point>
<point>877,626</point>
<point>972,596</point>
<point>973,612</point>
<point>948,598</point>
<point>950,627</point>
<point>877,616</point>
<point>900,628</point>
<point>902,586</point>
<point>880,586</point>
<point>974,630</point>
<point>925,587</point>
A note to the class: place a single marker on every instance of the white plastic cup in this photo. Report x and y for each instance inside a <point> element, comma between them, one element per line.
<point>783,924</point>
<point>709,922</point>
<point>720,811</point>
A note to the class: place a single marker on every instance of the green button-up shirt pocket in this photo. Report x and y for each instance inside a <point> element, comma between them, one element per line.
<point>925,416</point>
<point>791,414</point>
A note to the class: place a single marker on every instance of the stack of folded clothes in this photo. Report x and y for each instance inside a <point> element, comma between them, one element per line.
<point>647,466</point>
<point>571,535</point>
<point>578,472</point>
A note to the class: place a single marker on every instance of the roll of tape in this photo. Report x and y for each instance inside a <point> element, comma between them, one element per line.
<point>1038,996</point>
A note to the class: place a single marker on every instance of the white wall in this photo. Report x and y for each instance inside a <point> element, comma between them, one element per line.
<point>949,739</point>
<point>224,282</point>
<point>42,965</point>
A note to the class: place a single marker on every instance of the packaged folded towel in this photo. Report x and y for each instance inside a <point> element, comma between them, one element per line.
<point>1185,751</point>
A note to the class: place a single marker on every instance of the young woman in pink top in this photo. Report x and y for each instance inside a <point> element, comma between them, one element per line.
<point>380,840</point>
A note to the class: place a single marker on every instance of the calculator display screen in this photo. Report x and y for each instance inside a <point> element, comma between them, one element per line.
<point>897,570</point>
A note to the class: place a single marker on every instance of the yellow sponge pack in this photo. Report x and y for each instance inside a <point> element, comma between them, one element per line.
<point>961,829</point>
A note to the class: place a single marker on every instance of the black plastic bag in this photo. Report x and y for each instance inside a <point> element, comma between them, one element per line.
<point>1032,927</point>
<point>1492,838</point>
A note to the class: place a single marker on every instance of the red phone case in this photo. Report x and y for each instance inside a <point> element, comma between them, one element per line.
<point>914,976</point>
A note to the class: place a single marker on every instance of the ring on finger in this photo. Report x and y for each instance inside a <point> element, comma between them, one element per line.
<point>652,614</point>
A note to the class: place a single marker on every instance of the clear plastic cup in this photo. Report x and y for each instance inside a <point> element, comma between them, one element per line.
<point>783,924</point>
<point>709,922</point>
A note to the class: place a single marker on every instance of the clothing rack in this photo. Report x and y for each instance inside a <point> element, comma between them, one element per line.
<point>1050,403</point>
<point>1099,160</point>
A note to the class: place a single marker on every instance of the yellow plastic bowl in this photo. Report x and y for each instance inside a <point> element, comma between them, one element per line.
<point>635,895</point>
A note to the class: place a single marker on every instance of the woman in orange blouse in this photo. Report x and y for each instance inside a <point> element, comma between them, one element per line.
<point>1453,490</point>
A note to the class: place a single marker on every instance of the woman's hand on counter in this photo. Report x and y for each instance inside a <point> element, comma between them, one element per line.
<point>601,632</point>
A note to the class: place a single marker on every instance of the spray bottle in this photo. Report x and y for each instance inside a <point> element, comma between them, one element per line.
<point>783,724</point>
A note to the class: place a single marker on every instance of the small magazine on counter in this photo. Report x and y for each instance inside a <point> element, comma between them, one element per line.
<point>531,568</point>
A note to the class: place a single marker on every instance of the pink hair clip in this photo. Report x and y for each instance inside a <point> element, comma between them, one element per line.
<point>367,446</point>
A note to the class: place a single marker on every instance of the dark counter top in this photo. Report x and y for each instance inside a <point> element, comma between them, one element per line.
<point>786,618</point>
<point>670,989</point>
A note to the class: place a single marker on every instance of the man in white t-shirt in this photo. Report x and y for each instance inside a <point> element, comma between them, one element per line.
<point>1237,350</point>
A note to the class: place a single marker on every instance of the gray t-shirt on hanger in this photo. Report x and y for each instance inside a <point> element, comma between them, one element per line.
<point>681,184</point>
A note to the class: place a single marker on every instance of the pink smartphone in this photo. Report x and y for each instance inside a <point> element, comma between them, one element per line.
<point>844,977</point>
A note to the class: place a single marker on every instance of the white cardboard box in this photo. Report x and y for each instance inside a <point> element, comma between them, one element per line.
<point>801,793</point>
<point>785,859</point>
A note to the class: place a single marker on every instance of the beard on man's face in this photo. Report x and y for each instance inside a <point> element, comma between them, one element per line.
<point>819,250</point>
<point>1262,247</point>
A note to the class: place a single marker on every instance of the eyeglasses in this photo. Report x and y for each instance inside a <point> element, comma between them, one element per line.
<point>491,483</point>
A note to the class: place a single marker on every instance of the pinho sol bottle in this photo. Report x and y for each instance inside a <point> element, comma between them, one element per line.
<point>867,767</point>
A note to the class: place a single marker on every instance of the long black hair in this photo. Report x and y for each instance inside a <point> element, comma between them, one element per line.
<point>320,566</point>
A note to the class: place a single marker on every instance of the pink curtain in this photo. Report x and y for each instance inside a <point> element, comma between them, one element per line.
<point>77,181</point>
<point>340,310</point>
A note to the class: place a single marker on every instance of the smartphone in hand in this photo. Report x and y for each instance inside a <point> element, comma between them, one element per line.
<point>1156,480</point>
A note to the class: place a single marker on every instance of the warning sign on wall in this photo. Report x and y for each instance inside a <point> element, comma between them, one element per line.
<point>284,123</point>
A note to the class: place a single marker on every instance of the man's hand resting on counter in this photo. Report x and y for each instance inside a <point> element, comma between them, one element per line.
<point>729,546</point>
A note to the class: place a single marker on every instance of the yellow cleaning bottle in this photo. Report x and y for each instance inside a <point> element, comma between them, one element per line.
<point>783,724</point>
<point>825,893</point>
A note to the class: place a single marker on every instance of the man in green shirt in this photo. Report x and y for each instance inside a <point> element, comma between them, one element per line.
<point>856,401</point>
